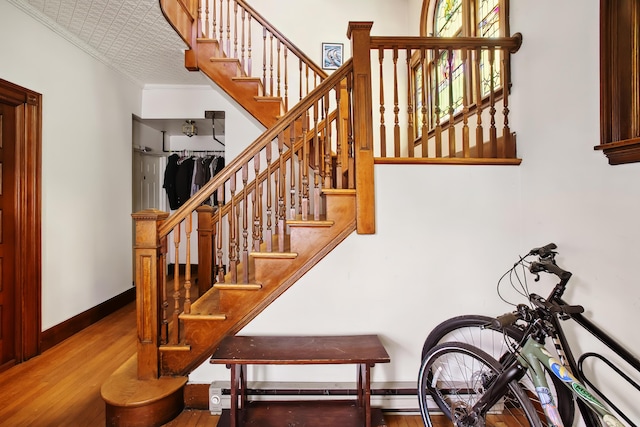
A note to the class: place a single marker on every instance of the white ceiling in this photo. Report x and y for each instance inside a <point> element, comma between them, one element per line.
<point>131,36</point>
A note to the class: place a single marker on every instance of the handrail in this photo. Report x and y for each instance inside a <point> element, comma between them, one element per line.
<point>270,134</point>
<point>512,44</point>
<point>293,48</point>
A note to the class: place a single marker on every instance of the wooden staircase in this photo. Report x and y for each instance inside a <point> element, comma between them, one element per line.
<point>228,74</point>
<point>228,307</point>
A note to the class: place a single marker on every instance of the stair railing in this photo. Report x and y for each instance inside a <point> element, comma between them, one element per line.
<point>262,50</point>
<point>284,70</point>
<point>280,176</point>
<point>444,99</point>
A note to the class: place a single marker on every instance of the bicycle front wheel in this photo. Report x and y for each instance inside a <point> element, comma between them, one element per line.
<point>457,374</point>
<point>480,332</point>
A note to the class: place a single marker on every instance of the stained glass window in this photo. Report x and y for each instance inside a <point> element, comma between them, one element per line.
<point>448,67</point>
<point>489,26</point>
<point>449,75</point>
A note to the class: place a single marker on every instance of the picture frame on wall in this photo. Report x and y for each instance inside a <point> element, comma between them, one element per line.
<point>332,54</point>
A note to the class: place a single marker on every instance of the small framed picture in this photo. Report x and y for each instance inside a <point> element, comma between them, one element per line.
<point>331,56</point>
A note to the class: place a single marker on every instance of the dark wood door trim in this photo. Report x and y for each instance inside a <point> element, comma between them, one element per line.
<point>28,211</point>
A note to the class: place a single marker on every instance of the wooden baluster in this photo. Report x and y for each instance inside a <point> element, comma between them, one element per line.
<point>339,108</point>
<point>264,59</point>
<point>351,150</point>
<point>221,27</point>
<point>411,134</point>
<point>281,192</point>
<point>235,30</point>
<point>187,266</point>
<point>305,167</point>
<point>508,148</point>
<point>256,208</point>
<point>271,64</point>
<point>300,188</point>
<point>493,139</point>
<point>279,94</point>
<point>286,80</point>
<point>478,92</point>
<point>245,223</point>
<point>465,105</point>
<point>383,128</point>
<point>249,62</point>
<point>162,285</point>
<point>243,46</point>
<point>214,22</point>
<point>207,32</point>
<point>228,29</point>
<point>425,88</point>
<point>452,127</point>
<point>300,79</point>
<point>396,108</point>
<point>327,144</point>
<point>436,95</point>
<point>292,172</point>
<point>233,235</point>
<point>219,240</point>
<point>269,231</point>
<point>176,285</point>
<point>316,164</point>
<point>306,80</point>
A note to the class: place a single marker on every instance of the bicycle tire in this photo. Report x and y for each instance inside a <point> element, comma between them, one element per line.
<point>479,331</point>
<point>456,374</point>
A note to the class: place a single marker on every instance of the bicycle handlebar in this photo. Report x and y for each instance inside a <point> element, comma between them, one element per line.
<point>549,266</point>
<point>544,251</point>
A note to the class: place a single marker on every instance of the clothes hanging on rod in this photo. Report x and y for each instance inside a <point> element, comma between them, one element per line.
<point>186,173</point>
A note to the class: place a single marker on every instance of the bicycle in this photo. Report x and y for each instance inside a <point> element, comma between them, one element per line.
<point>523,338</point>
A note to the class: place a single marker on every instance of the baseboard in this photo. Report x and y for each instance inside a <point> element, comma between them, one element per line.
<point>64,330</point>
<point>396,396</point>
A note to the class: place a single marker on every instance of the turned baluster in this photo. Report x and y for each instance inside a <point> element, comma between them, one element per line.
<point>292,172</point>
<point>478,95</point>
<point>410,118</point>
<point>383,128</point>
<point>424,134</point>
<point>436,110</point>
<point>465,106</point>
<point>396,108</point>
<point>281,192</point>
<point>219,237</point>
<point>452,128</point>
<point>187,268</point>
<point>176,284</point>
<point>316,163</point>
<point>245,223</point>
<point>493,138</point>
<point>233,235</point>
<point>269,232</point>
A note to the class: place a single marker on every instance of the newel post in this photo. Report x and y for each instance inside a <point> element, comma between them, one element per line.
<point>359,33</point>
<point>148,262</point>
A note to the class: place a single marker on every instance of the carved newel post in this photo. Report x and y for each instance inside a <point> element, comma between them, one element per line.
<point>148,265</point>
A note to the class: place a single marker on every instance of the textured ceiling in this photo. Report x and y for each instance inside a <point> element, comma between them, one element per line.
<point>131,36</point>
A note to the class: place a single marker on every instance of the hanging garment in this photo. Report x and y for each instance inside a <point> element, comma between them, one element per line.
<point>170,181</point>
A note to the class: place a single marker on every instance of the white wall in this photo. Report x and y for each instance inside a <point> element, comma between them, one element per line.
<point>86,164</point>
<point>445,235</point>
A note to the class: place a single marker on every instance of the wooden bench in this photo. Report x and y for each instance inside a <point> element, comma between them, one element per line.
<point>239,351</point>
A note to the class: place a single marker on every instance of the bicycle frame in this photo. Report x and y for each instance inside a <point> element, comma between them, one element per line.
<point>534,356</point>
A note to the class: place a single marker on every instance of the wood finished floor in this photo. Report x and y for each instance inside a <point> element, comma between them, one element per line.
<point>61,387</point>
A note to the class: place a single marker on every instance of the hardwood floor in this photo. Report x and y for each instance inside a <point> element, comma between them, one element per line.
<point>61,387</point>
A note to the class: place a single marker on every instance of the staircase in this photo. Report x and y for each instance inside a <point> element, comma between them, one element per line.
<point>284,203</point>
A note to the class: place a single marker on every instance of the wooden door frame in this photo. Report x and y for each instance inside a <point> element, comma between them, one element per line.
<point>28,212</point>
